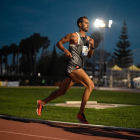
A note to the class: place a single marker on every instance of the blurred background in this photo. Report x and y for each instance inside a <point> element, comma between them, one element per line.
<point>29,31</point>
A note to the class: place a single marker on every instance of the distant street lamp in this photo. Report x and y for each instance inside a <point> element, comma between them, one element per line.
<point>39,75</point>
<point>101,24</point>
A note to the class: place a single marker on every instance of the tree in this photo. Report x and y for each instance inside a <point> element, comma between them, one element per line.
<point>122,54</point>
<point>46,44</point>
<point>54,67</point>
<point>43,64</point>
<point>5,53</point>
<point>45,57</point>
<point>29,48</point>
<point>37,42</point>
<point>25,60</point>
<point>97,36</point>
<point>1,60</point>
<point>97,39</point>
<point>14,50</point>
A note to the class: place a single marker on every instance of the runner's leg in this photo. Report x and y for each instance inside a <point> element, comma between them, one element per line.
<point>66,84</point>
<point>80,76</point>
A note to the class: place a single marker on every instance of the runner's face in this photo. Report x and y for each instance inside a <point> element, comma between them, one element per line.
<point>85,25</point>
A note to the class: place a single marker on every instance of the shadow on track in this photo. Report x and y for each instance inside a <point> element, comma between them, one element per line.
<point>86,131</point>
<point>108,133</point>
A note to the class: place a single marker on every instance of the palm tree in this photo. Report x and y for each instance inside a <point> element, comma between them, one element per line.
<point>5,53</point>
<point>29,48</point>
<point>46,44</point>
<point>1,60</point>
<point>24,49</point>
<point>18,52</point>
<point>36,42</point>
<point>14,51</point>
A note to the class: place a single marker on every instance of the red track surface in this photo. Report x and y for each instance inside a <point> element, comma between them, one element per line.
<point>16,130</point>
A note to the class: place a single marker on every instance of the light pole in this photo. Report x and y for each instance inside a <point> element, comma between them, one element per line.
<point>101,24</point>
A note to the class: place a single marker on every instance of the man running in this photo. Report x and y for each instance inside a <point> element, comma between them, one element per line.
<point>80,46</point>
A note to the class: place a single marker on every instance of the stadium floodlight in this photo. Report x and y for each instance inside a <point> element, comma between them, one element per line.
<point>109,23</point>
<point>99,23</point>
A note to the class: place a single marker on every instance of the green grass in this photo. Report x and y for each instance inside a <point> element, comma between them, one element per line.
<point>21,102</point>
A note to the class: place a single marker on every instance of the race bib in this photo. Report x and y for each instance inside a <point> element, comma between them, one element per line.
<point>84,50</point>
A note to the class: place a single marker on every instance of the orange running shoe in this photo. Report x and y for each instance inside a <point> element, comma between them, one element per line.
<point>82,119</point>
<point>39,108</point>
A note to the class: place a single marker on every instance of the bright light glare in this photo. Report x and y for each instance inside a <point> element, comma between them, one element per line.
<point>91,76</point>
<point>96,24</point>
<point>99,23</point>
<point>109,23</point>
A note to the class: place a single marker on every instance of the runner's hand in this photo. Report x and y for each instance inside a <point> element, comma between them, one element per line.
<point>67,53</point>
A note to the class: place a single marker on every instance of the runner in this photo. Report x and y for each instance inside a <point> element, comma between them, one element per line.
<point>80,46</point>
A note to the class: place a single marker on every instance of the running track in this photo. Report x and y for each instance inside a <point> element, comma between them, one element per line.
<point>24,130</point>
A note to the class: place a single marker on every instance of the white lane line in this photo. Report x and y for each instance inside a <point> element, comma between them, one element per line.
<point>32,135</point>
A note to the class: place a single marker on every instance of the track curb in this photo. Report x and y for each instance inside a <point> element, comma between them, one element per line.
<point>69,123</point>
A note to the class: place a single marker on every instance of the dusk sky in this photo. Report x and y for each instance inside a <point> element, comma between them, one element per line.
<point>56,18</point>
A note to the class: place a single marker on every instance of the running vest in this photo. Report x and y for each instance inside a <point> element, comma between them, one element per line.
<point>79,51</point>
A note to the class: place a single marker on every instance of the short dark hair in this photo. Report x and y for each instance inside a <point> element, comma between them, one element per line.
<point>80,20</point>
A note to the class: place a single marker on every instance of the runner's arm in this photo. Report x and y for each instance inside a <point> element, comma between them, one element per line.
<point>61,47</point>
<point>91,48</point>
